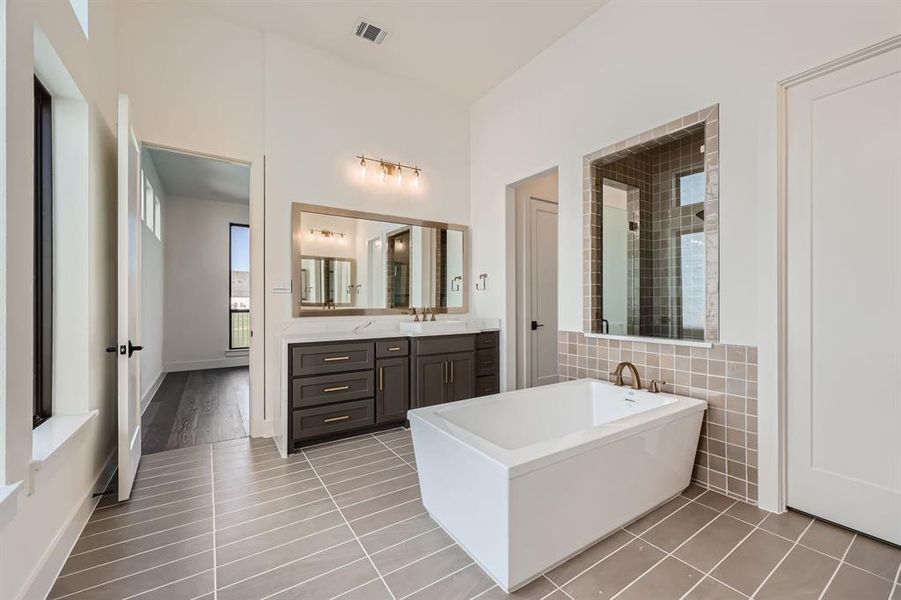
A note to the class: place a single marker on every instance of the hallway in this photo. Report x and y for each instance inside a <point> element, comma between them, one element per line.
<point>198,407</point>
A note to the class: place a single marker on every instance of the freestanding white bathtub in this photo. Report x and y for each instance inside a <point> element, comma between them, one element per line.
<point>524,480</point>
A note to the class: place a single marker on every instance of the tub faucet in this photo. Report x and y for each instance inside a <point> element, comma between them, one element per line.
<point>618,375</point>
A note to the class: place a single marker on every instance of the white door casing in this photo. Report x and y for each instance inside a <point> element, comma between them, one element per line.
<point>129,278</point>
<point>843,293</point>
<point>543,292</point>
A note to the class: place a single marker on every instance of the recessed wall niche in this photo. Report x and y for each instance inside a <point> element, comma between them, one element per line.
<point>651,231</point>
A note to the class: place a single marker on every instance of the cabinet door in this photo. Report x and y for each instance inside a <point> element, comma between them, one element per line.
<point>392,397</point>
<point>461,380</point>
<point>431,379</point>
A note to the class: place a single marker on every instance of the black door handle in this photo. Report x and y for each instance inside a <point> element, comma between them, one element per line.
<point>133,349</point>
<point>536,325</point>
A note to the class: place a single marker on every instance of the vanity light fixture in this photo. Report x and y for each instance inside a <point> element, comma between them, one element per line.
<point>326,234</point>
<point>388,169</point>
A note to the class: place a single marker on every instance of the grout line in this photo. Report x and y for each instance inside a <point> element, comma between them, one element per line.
<point>300,583</point>
<point>380,496</point>
<point>358,467</point>
<point>284,485</point>
<point>180,512</point>
<point>344,460</point>
<point>353,589</point>
<point>213,494</point>
<point>352,532</point>
<point>418,498</point>
<point>303,537</point>
<point>376,483</point>
<point>839,566</point>
<point>439,580</point>
<point>278,512</point>
<point>121,558</point>
<point>153,589</point>
<point>420,559</point>
<point>151,507</point>
<point>557,588</point>
<point>781,560</point>
<point>234,487</point>
<point>404,520</point>
<point>367,475</point>
<point>374,445</point>
<point>335,444</point>
<point>398,455</point>
<point>138,537</point>
<point>265,502</point>
<point>156,485</point>
<point>291,524</point>
<point>240,480</point>
<point>405,541</point>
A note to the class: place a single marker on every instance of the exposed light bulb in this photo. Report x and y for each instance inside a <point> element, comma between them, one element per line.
<point>398,176</point>
<point>362,168</point>
<point>383,170</point>
<point>416,178</point>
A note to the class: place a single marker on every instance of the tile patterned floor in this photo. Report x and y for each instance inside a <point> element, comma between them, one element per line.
<point>234,521</point>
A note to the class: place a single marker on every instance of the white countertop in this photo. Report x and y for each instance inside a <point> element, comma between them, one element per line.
<point>384,330</point>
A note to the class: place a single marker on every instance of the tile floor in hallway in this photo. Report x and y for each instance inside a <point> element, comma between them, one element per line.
<point>344,520</point>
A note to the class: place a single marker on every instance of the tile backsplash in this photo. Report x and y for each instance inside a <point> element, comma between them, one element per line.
<point>724,375</point>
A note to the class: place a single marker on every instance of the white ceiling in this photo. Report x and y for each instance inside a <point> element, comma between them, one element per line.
<point>462,47</point>
<point>191,176</point>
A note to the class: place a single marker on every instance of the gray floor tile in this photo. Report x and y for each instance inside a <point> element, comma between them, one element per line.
<point>120,519</point>
<point>615,572</point>
<point>141,529</point>
<point>462,585</point>
<point>596,553</point>
<point>789,524</point>
<point>223,495</point>
<point>398,556</point>
<point>349,485</point>
<point>346,455</point>
<point>802,575</point>
<point>396,533</point>
<point>374,590</point>
<point>641,525</point>
<point>711,544</point>
<point>679,526</point>
<point>710,589</point>
<point>228,535</point>
<point>189,588</point>
<point>535,590</point>
<point>875,557</point>
<point>327,448</point>
<point>693,491</point>
<point>269,539</point>
<point>747,513</point>
<point>827,538</point>
<point>331,584</point>
<point>752,561</point>
<point>387,517</point>
<point>274,493</point>
<point>375,490</point>
<point>351,463</point>
<point>851,583</point>
<point>376,505</point>
<point>715,500</point>
<point>378,466</point>
<point>270,507</point>
<point>667,581</point>
<point>426,571</point>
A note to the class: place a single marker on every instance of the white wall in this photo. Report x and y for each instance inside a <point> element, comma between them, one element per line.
<point>62,489</point>
<point>197,282</point>
<point>559,107</point>
<point>152,291</point>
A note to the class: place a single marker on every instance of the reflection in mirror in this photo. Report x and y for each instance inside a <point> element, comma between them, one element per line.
<point>653,243</point>
<point>376,266</point>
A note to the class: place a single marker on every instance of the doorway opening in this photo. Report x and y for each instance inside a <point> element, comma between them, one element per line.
<point>535,278</point>
<point>195,308</point>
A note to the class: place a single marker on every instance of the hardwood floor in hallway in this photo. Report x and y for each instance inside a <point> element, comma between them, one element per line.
<point>198,407</point>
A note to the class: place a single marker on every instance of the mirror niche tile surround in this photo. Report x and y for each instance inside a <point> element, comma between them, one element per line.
<point>622,162</point>
<point>724,375</point>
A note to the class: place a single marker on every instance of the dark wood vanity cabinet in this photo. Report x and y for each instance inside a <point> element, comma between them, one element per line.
<point>345,388</point>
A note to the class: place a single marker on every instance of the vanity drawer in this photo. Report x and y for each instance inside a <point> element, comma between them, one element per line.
<point>390,348</point>
<point>325,389</point>
<point>331,358</point>
<point>488,339</point>
<point>445,344</point>
<point>334,418</point>
<point>486,362</point>
<point>485,386</point>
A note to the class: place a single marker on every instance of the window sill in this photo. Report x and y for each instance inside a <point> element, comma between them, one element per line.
<point>650,340</point>
<point>55,433</point>
<point>9,502</point>
<point>241,352</point>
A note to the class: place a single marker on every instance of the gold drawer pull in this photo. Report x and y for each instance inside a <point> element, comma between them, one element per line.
<point>340,388</point>
<point>333,419</point>
<point>334,358</point>
<point>393,348</point>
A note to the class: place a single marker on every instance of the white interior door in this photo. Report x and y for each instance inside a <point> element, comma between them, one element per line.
<point>844,296</point>
<point>129,278</point>
<point>543,292</point>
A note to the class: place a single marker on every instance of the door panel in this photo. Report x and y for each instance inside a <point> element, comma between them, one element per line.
<point>461,376</point>
<point>392,399</point>
<point>844,290</point>
<point>129,277</point>
<point>431,379</point>
<point>543,260</point>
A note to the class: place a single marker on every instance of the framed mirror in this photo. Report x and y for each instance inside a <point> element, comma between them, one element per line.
<point>652,228</point>
<point>348,262</point>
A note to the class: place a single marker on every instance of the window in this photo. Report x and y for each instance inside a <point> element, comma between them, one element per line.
<point>693,284</point>
<point>43,254</point>
<point>239,286</point>
<point>81,13</point>
<point>157,219</point>
<point>691,188</point>
<point>149,195</point>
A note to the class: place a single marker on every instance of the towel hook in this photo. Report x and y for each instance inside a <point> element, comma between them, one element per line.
<point>484,279</point>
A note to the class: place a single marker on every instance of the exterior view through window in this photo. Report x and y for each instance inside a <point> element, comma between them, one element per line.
<point>239,286</point>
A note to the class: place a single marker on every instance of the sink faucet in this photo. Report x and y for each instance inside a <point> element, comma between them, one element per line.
<point>618,375</point>
<point>412,311</point>
<point>425,313</point>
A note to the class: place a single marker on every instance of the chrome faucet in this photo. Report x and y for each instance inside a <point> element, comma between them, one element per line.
<point>425,313</point>
<point>618,375</point>
<point>412,311</point>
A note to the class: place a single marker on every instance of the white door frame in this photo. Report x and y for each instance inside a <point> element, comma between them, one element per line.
<point>781,424</point>
<point>260,414</point>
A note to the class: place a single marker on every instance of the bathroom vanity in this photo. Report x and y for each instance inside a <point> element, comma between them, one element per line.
<point>344,384</point>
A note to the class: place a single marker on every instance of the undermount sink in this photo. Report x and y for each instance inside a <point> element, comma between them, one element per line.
<point>433,326</point>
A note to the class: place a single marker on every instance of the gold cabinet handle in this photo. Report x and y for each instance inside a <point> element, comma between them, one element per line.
<point>445,373</point>
<point>452,370</point>
<point>340,388</point>
<point>333,419</point>
<point>393,348</point>
<point>334,358</point>
<point>381,378</point>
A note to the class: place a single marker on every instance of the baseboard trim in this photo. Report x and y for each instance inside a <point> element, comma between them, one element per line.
<point>215,363</point>
<point>55,557</point>
<point>145,401</point>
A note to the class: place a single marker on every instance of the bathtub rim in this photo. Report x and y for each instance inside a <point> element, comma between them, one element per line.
<point>521,461</point>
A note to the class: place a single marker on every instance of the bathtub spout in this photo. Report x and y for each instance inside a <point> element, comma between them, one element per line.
<point>618,375</point>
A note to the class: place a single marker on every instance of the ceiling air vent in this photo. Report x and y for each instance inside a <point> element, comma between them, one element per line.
<point>370,32</point>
